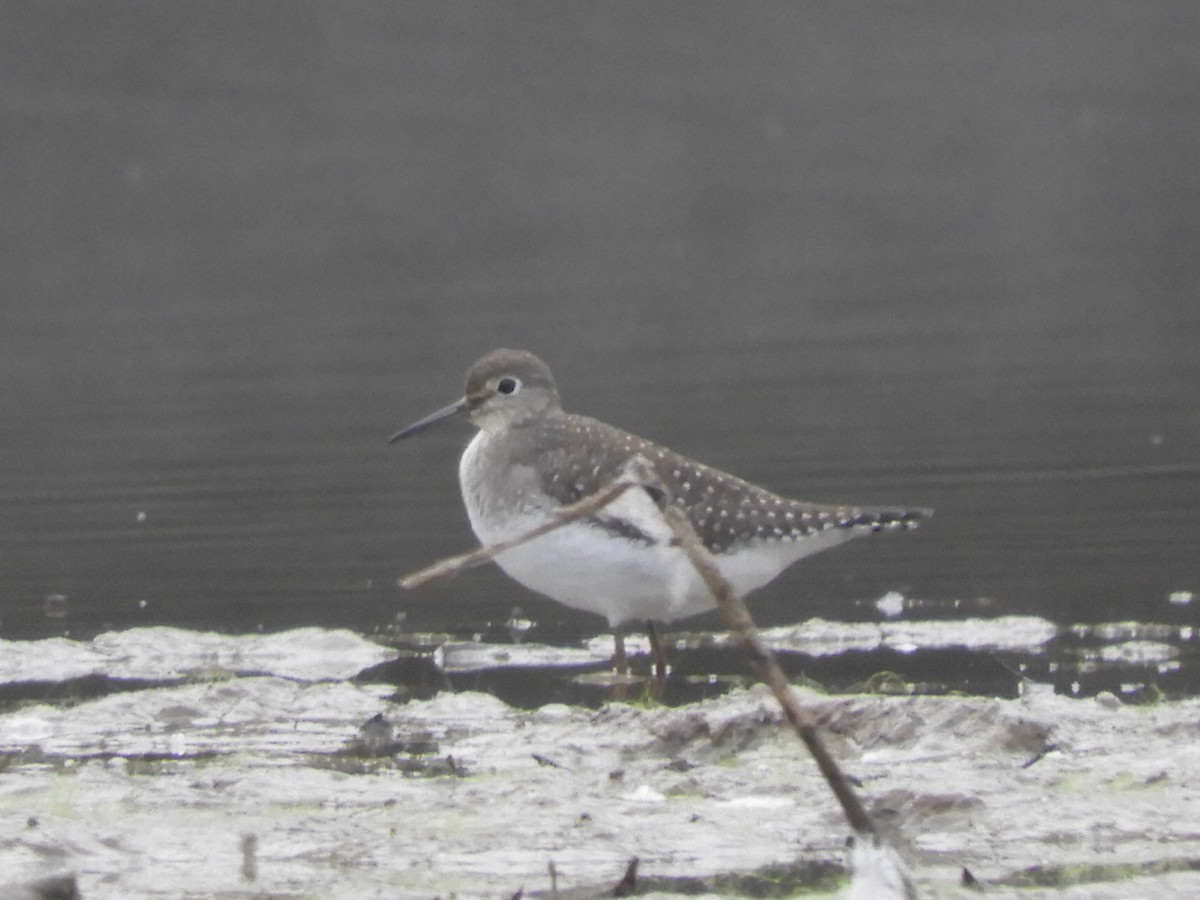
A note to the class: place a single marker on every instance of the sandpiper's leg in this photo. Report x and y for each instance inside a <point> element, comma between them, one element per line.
<point>658,655</point>
<point>619,660</point>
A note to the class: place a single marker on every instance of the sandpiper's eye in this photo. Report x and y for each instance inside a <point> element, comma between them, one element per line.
<point>507,385</point>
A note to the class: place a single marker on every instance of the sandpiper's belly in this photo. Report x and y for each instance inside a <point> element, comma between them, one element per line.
<point>586,567</point>
<point>589,568</point>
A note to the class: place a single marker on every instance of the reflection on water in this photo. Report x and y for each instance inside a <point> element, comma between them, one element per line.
<point>1135,662</point>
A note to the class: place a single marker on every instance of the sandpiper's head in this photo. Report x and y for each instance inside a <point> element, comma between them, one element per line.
<point>506,387</point>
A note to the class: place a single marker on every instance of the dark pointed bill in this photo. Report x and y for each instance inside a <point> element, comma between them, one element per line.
<point>446,412</point>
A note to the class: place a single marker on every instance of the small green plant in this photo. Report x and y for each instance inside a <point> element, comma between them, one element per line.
<point>886,682</point>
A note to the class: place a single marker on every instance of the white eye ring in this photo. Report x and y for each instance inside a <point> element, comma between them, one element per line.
<point>508,385</point>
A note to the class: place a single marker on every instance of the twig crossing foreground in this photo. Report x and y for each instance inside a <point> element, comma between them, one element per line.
<point>639,474</point>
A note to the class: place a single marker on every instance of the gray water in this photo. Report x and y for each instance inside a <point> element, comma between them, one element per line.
<point>942,256</point>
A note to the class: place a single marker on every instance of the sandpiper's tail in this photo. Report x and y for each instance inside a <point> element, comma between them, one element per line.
<point>884,519</point>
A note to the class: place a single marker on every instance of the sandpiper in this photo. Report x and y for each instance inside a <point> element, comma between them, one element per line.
<point>530,458</point>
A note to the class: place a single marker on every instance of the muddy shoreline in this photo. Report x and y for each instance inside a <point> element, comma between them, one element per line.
<point>338,791</point>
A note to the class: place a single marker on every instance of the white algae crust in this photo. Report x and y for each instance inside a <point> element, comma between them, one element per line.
<point>241,785</point>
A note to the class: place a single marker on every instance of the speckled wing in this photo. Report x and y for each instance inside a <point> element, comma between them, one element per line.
<point>580,456</point>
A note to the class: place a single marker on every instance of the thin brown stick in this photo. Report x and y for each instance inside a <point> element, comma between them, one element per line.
<point>742,627</point>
